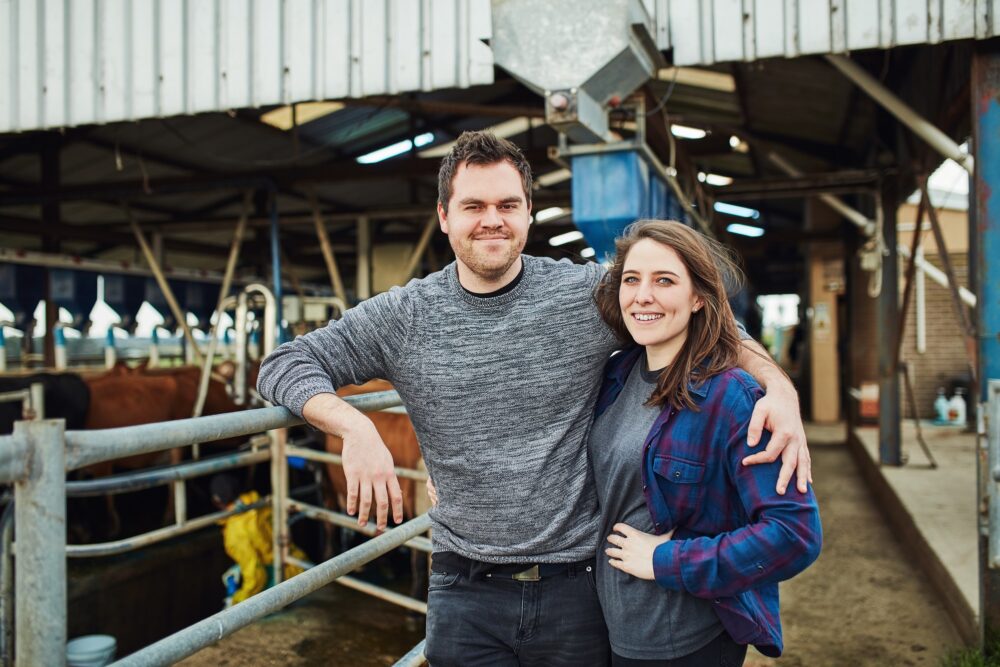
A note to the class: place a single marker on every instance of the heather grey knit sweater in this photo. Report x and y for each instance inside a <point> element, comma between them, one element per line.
<point>501,392</point>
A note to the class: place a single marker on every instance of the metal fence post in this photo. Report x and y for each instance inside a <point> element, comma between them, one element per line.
<point>279,514</point>
<point>40,561</point>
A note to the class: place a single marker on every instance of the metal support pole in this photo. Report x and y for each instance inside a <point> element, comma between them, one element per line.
<point>937,139</point>
<point>363,287</point>
<point>37,393</point>
<point>985,204</point>
<point>227,279</point>
<point>40,576</point>
<point>276,268</point>
<point>324,243</point>
<point>161,280</point>
<point>279,513</point>
<point>420,248</point>
<point>964,322</point>
<point>7,585</point>
<point>240,324</point>
<point>887,320</point>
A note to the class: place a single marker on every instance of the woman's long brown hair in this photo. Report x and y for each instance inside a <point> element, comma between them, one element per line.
<point>713,343</point>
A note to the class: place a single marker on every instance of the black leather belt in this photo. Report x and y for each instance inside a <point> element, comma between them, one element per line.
<point>445,562</point>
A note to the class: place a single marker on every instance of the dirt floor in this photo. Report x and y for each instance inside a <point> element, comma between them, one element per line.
<point>862,603</point>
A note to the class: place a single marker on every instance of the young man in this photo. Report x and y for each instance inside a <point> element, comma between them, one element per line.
<point>498,358</point>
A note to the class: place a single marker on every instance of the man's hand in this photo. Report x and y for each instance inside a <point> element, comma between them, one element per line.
<point>633,550</point>
<point>432,493</point>
<point>368,467</point>
<point>368,464</point>
<point>778,412</point>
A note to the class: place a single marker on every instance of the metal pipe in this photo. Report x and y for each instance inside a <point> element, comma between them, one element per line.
<point>7,584</point>
<point>324,243</point>
<point>420,248</point>
<point>384,594</point>
<point>937,275</point>
<point>279,516</point>
<point>222,624</point>
<point>240,324</point>
<point>857,218</point>
<point>13,458</point>
<point>147,479</point>
<point>350,522</point>
<point>337,459</point>
<point>886,326</point>
<point>89,447</point>
<point>155,536</point>
<point>37,393</point>
<point>40,574</point>
<point>161,280</point>
<point>363,285</point>
<point>227,279</point>
<point>271,315</point>
<point>921,304</point>
<point>937,139</point>
<point>414,657</point>
<point>276,266</point>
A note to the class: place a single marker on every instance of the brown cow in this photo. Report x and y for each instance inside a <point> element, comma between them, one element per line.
<point>129,396</point>
<point>398,435</point>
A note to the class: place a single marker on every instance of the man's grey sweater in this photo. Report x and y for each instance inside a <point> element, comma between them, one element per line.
<point>501,393</point>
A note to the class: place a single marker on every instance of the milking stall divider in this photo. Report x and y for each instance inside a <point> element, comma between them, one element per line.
<point>37,456</point>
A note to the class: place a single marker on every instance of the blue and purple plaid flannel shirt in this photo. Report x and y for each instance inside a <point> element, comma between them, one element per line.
<point>735,538</point>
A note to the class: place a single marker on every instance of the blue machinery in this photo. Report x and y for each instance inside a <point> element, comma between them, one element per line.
<point>38,455</point>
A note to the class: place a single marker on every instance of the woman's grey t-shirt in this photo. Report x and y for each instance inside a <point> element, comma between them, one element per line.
<point>644,620</point>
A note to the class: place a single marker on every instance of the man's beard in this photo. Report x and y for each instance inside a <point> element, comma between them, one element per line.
<point>488,267</point>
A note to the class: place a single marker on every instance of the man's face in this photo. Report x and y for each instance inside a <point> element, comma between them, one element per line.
<point>487,219</point>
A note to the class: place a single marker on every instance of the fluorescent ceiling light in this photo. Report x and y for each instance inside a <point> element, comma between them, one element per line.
<point>395,149</point>
<point>281,117</point>
<point>552,178</point>
<point>738,144</point>
<point>745,230</point>
<point>699,78</point>
<point>738,211</point>
<point>714,179</point>
<point>568,237</point>
<point>550,213</point>
<point>685,132</point>
<point>587,252</point>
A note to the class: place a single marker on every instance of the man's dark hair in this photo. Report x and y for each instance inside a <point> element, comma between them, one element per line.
<point>482,149</point>
<point>224,488</point>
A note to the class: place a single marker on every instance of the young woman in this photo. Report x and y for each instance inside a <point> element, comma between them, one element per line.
<point>696,541</point>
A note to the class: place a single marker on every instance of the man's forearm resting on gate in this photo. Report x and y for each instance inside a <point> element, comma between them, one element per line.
<point>778,412</point>
<point>368,465</point>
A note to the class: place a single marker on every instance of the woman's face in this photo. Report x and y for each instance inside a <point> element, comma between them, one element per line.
<point>657,299</point>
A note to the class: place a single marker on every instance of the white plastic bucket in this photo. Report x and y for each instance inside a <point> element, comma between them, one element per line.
<point>91,651</point>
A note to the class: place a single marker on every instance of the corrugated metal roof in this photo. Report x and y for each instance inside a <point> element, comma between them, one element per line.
<point>68,63</point>
<point>702,32</point>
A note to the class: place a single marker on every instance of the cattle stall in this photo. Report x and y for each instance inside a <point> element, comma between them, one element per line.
<point>39,453</point>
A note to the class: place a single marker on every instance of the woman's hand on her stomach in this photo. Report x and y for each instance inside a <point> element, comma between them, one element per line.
<point>632,550</point>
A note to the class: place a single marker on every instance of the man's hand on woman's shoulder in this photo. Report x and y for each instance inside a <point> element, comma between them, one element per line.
<point>778,412</point>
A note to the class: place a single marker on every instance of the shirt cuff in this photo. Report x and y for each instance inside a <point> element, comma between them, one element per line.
<point>297,398</point>
<point>667,566</point>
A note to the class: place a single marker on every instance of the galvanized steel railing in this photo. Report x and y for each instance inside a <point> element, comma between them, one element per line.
<point>38,455</point>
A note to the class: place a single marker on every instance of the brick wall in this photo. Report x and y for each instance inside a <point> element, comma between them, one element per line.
<point>945,358</point>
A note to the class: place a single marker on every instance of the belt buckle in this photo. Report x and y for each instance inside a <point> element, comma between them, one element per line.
<point>531,574</point>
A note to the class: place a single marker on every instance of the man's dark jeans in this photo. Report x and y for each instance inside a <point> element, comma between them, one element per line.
<point>500,621</point>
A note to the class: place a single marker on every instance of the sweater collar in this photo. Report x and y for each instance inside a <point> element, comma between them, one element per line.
<point>489,302</point>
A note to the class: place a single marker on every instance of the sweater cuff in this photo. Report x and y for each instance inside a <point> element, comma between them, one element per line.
<point>298,396</point>
<point>667,566</point>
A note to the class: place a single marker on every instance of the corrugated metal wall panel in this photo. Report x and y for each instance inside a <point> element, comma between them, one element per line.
<point>73,62</point>
<point>702,32</point>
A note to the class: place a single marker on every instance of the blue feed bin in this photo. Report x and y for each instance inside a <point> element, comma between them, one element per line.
<point>614,189</point>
